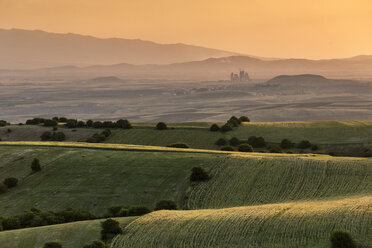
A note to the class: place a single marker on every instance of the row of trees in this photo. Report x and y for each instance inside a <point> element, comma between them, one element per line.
<point>228,126</point>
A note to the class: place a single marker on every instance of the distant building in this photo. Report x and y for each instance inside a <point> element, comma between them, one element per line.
<point>241,77</point>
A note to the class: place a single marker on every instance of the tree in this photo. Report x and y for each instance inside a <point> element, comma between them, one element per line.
<point>221,142</point>
<point>35,165</point>
<point>46,136</point>
<point>234,141</point>
<point>214,128</point>
<point>198,174</point>
<point>244,119</point>
<point>342,239</point>
<point>110,228</point>
<point>233,121</point>
<point>80,124</point>
<point>52,245</point>
<point>96,244</point>
<point>138,210</point>
<point>179,145</point>
<point>286,144</point>
<point>166,204</point>
<point>256,141</point>
<point>226,127</point>
<point>161,126</point>
<point>275,149</point>
<point>227,148</point>
<point>304,144</point>
<point>125,124</point>
<point>245,148</point>
<point>58,136</point>
<point>50,123</point>
<point>11,182</point>
<point>97,124</point>
<point>89,123</point>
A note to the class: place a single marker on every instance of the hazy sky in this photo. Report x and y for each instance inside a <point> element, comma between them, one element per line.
<point>271,28</point>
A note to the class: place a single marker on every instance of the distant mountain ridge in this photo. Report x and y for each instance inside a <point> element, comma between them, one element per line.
<point>31,49</point>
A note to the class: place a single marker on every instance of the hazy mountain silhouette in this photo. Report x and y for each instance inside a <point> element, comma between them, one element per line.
<point>26,49</point>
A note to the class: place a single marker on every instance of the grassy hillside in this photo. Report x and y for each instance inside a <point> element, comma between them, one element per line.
<point>241,181</point>
<point>300,224</point>
<point>94,179</point>
<point>70,235</point>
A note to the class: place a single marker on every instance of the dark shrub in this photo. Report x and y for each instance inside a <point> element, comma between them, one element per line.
<point>179,145</point>
<point>9,130</point>
<point>314,147</point>
<point>161,126</point>
<point>245,148</point>
<point>110,228</point>
<point>81,124</point>
<point>198,174</point>
<point>233,121</point>
<point>226,127</point>
<point>125,124</point>
<point>275,149</point>
<point>35,165</point>
<point>2,188</point>
<point>11,182</point>
<point>46,136</point>
<point>71,123</point>
<point>55,128</point>
<point>50,123</point>
<point>166,204</point>
<point>342,239</point>
<point>256,142</point>
<point>11,223</point>
<point>214,128</point>
<point>71,215</point>
<point>286,144</point>
<point>89,123</point>
<point>108,124</point>
<point>304,144</point>
<point>244,119</point>
<point>114,210</point>
<point>96,138</point>
<point>55,119</point>
<point>123,212</point>
<point>62,119</point>
<point>96,244</point>
<point>234,141</point>
<point>227,148</point>
<point>35,121</point>
<point>3,123</point>
<point>221,142</point>
<point>107,132</point>
<point>52,245</point>
<point>58,136</point>
<point>138,210</point>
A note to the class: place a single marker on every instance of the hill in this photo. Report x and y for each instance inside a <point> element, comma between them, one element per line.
<point>44,49</point>
<point>70,235</point>
<point>299,224</point>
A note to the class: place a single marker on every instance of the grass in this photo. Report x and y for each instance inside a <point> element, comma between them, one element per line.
<point>241,181</point>
<point>299,224</point>
<point>94,179</point>
<point>70,235</point>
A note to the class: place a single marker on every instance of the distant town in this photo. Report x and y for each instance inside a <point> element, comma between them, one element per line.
<point>241,77</point>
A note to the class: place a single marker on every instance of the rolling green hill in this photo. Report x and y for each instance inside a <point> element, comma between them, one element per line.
<point>70,235</point>
<point>299,224</point>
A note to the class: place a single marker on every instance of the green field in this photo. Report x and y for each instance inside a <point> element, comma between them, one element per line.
<point>301,224</point>
<point>70,235</point>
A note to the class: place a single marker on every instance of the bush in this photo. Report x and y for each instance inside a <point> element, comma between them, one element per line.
<point>11,182</point>
<point>166,204</point>
<point>9,130</point>
<point>97,138</point>
<point>275,149</point>
<point>125,124</point>
<point>35,165</point>
<point>81,124</point>
<point>227,148</point>
<point>286,144</point>
<point>114,210</point>
<point>161,126</point>
<point>138,210</point>
<point>233,121</point>
<point>245,148</point>
<point>234,141</point>
<point>97,124</point>
<point>58,136</point>
<point>226,127</point>
<point>52,245</point>
<point>55,128</point>
<point>3,123</point>
<point>46,136</point>
<point>342,239</point>
<point>304,144</point>
<point>11,223</point>
<point>96,244</point>
<point>110,228</point>
<point>50,123</point>
<point>214,128</point>
<point>2,188</point>
<point>106,133</point>
<point>221,142</point>
<point>179,145</point>
<point>89,123</point>
<point>314,147</point>
<point>244,119</point>
<point>256,142</point>
<point>198,174</point>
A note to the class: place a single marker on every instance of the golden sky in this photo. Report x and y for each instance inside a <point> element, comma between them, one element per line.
<point>270,28</point>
